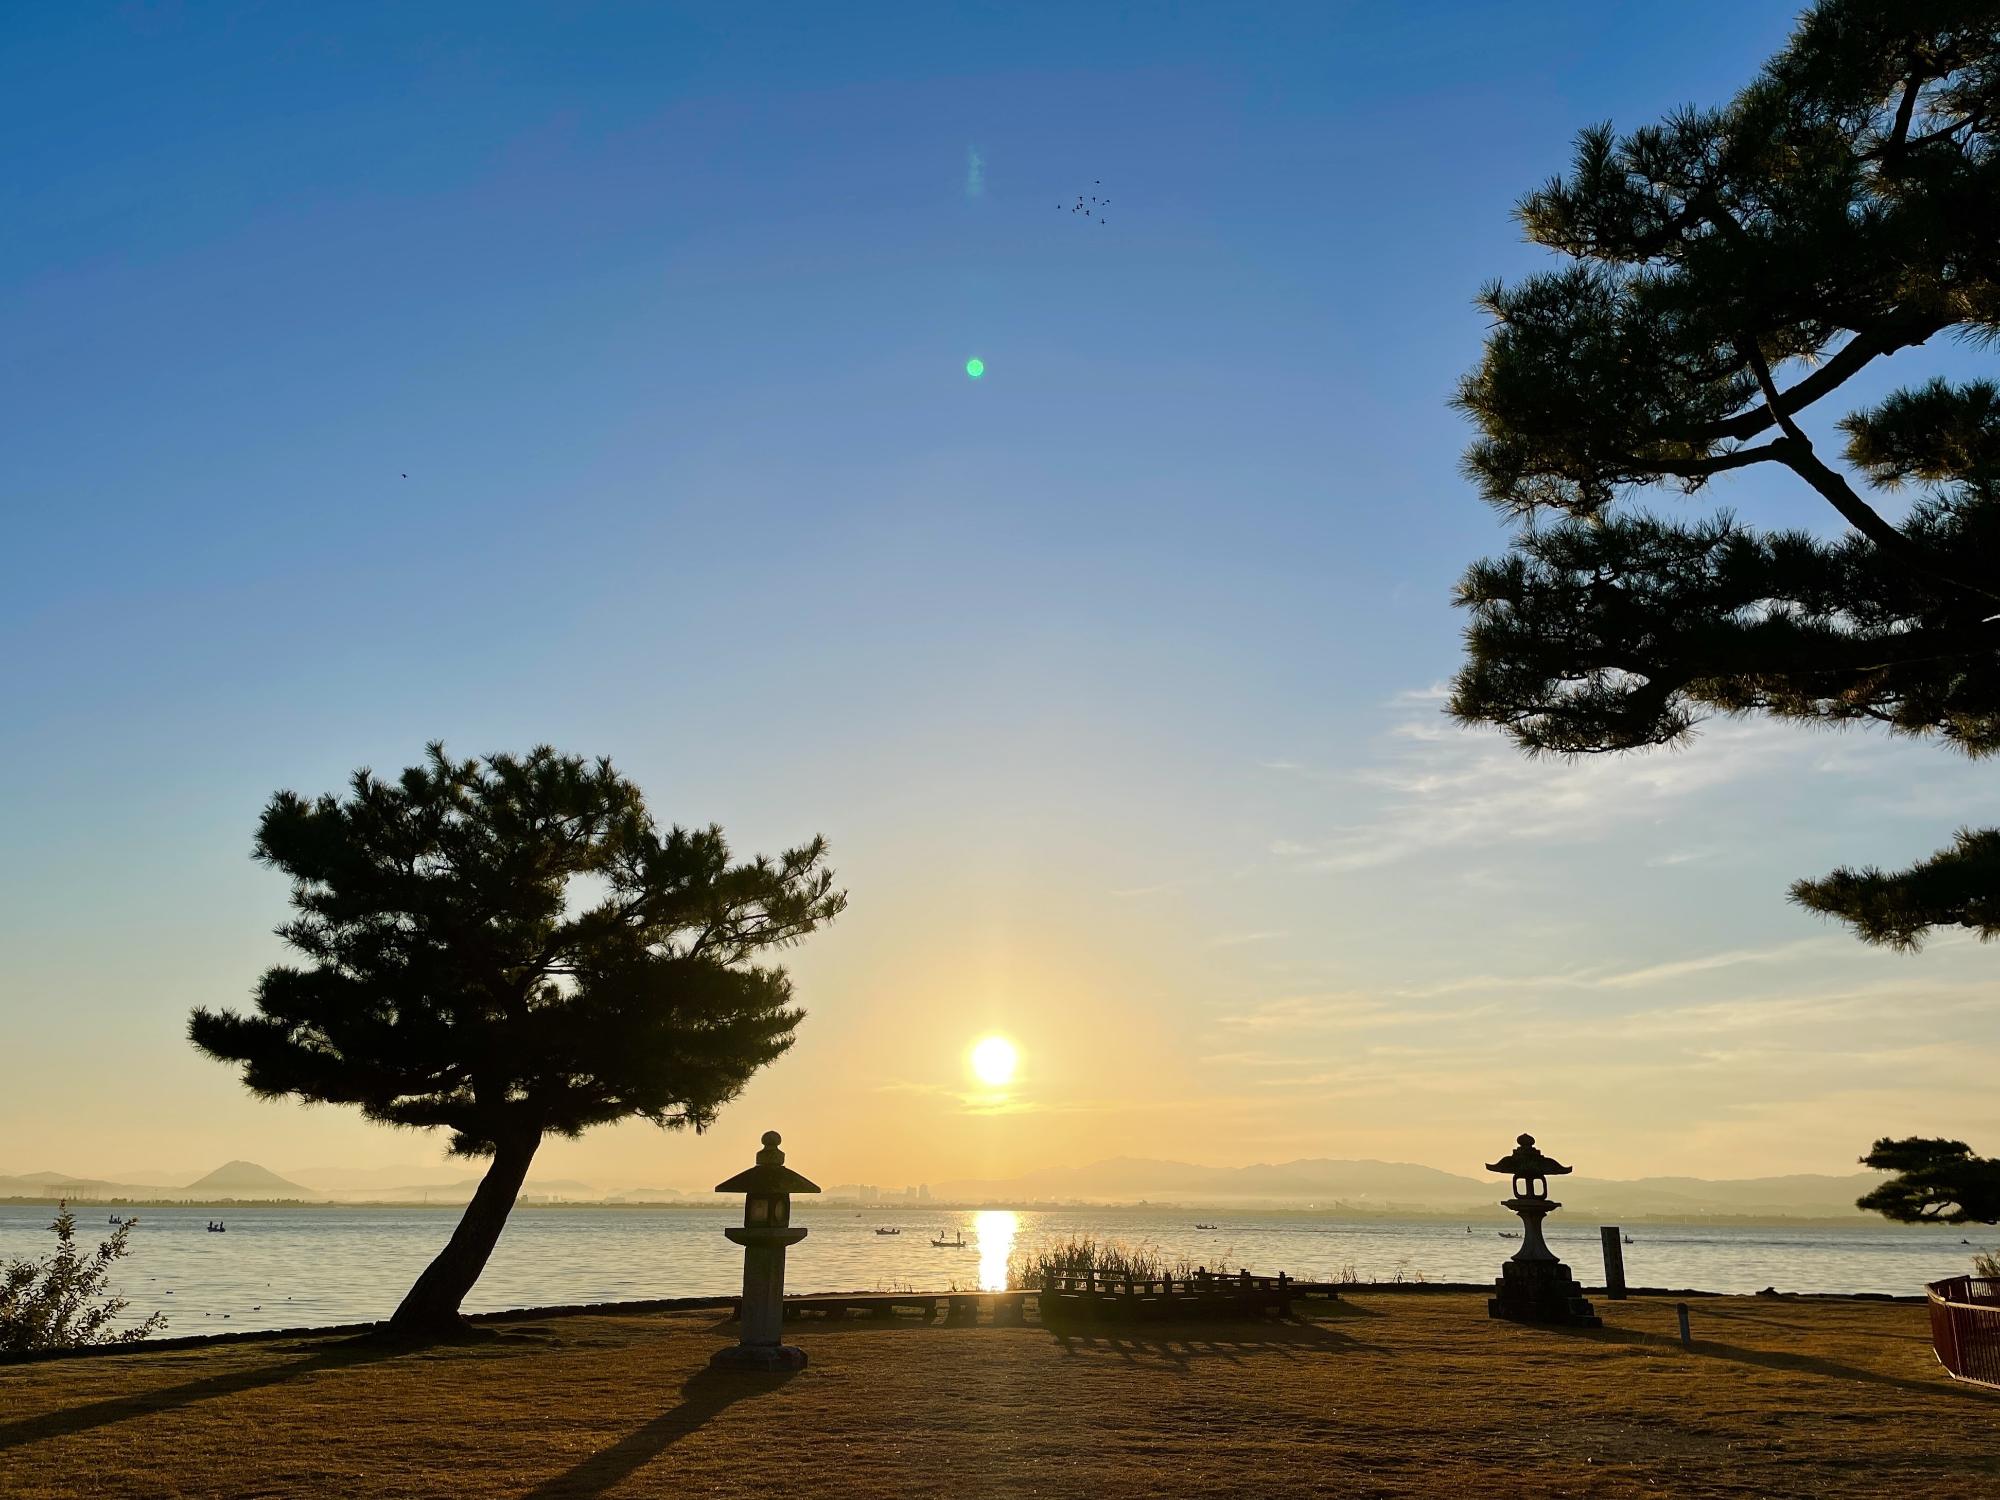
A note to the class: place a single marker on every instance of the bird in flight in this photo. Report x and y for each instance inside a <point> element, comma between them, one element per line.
<point>1090,205</point>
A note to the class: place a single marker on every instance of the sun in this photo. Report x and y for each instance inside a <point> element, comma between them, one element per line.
<point>994,1059</point>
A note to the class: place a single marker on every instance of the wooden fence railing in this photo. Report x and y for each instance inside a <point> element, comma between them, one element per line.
<point>1965,1327</point>
<point>1164,1286</point>
<point>1099,1294</point>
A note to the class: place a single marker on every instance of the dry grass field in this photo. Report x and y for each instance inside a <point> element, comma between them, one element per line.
<point>1388,1394</point>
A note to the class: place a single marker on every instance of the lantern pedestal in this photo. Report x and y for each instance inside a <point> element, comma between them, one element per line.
<point>1535,1287</point>
<point>762,1345</point>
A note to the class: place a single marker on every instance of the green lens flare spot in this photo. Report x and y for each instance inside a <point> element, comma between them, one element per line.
<point>975,368</point>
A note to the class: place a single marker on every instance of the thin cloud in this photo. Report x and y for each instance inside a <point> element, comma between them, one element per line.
<point>1452,788</point>
<point>1709,962</point>
<point>1243,939</point>
<point>1342,1012</point>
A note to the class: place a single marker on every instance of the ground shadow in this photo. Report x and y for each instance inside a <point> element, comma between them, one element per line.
<point>1730,1315</point>
<point>1332,1310</point>
<point>1771,1359</point>
<point>75,1419</point>
<point>1181,1344</point>
<point>705,1396</point>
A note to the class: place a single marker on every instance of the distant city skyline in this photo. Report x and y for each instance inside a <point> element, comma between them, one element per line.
<point>1112,674</point>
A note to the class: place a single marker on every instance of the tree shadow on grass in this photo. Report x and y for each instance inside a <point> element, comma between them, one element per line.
<point>706,1396</point>
<point>1772,1359</point>
<point>115,1409</point>
<point>1730,1315</point>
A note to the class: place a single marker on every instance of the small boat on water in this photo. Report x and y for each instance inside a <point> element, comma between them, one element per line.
<point>1506,1236</point>
<point>958,1241</point>
<point>1204,1226</point>
<point>885,1229</point>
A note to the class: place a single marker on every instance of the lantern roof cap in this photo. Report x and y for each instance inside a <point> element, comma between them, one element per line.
<point>1525,1161</point>
<point>770,1175</point>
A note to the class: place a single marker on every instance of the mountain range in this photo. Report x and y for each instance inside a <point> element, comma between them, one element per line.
<point>246,1181</point>
<point>1383,1187</point>
<point>1356,1186</point>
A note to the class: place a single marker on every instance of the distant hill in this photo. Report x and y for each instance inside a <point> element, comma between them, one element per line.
<point>1387,1187</point>
<point>1124,1178</point>
<point>236,1180</point>
<point>60,1185</point>
<point>1809,1195</point>
<point>343,1181</point>
<point>245,1179</point>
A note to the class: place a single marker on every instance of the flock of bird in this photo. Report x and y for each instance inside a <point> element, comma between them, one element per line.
<point>1094,208</point>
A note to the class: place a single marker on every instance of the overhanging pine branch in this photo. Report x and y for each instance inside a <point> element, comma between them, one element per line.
<point>1796,453</point>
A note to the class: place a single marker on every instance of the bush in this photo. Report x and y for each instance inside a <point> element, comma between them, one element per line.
<point>1986,1264</point>
<point>61,1302</point>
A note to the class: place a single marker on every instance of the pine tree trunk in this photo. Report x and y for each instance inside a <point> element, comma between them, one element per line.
<point>432,1304</point>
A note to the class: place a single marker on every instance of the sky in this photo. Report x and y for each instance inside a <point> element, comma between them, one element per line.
<point>1113,676</point>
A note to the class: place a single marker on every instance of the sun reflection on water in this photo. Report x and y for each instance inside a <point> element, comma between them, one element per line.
<point>994,1229</point>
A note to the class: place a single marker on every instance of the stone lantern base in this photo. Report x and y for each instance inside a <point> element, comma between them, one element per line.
<point>762,1358</point>
<point>1541,1291</point>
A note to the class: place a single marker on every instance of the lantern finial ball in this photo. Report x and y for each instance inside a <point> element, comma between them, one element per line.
<point>1523,1139</point>
<point>772,1138</point>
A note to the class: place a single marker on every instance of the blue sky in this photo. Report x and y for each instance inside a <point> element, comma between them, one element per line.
<point>1109,674</point>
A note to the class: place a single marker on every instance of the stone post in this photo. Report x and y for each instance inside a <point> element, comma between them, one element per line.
<point>1614,1261</point>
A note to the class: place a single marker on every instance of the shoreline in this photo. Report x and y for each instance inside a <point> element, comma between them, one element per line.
<point>721,1303</point>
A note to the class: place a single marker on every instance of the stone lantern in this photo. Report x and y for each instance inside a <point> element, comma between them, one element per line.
<point>765,1232</point>
<point>1534,1286</point>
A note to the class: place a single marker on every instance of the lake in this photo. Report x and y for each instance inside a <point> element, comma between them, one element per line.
<point>293,1266</point>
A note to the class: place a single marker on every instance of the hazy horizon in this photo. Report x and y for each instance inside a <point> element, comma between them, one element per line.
<point>349,1181</point>
<point>1112,675</point>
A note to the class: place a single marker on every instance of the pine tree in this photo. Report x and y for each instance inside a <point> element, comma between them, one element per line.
<point>1936,1182</point>
<point>456,979</point>
<point>1727,271</point>
<point>1846,206</point>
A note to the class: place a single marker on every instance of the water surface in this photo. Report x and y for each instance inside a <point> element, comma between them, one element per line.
<point>291,1267</point>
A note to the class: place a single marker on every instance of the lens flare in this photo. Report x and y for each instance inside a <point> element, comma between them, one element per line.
<point>975,368</point>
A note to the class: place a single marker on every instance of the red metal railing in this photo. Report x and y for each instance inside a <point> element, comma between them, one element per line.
<point>1965,1327</point>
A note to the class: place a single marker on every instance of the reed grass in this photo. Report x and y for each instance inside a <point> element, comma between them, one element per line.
<point>1029,1268</point>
